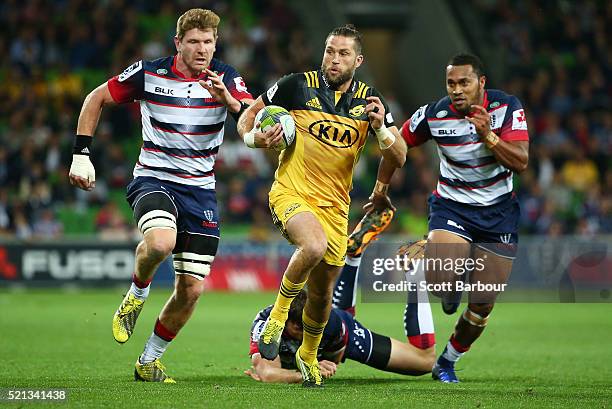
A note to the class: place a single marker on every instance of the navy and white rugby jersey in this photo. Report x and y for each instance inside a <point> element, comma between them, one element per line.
<point>469,173</point>
<point>182,124</point>
<point>335,337</point>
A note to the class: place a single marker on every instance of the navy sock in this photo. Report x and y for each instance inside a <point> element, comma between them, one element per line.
<point>345,292</point>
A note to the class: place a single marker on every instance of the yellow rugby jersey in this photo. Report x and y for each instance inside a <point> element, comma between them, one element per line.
<point>331,131</point>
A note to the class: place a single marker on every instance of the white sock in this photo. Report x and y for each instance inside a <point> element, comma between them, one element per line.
<point>154,349</point>
<point>140,293</point>
<point>451,354</point>
<point>353,261</point>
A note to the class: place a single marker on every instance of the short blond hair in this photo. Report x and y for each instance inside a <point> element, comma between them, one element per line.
<point>196,18</point>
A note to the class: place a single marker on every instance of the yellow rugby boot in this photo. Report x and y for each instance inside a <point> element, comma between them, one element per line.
<point>311,374</point>
<point>151,372</point>
<point>269,340</point>
<point>125,317</point>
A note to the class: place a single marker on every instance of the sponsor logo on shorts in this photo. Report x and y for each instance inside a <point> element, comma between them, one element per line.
<point>455,224</point>
<point>505,238</point>
<point>291,209</point>
<point>209,215</point>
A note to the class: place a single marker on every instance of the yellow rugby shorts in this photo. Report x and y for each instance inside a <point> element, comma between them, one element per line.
<point>284,204</point>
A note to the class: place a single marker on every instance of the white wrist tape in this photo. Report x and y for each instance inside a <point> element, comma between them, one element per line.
<point>249,138</point>
<point>385,137</point>
<point>82,167</point>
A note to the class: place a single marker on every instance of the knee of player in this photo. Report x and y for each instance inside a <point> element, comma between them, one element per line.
<point>482,310</point>
<point>315,249</point>
<point>160,248</point>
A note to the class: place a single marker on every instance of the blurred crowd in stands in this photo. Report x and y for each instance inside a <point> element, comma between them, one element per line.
<point>56,52</point>
<point>559,60</point>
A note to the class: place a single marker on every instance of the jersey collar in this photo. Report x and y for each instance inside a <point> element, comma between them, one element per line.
<point>351,89</point>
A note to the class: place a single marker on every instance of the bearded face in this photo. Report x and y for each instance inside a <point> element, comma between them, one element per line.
<point>340,61</point>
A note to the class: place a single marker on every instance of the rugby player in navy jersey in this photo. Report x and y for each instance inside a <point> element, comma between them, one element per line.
<point>482,139</point>
<point>184,100</point>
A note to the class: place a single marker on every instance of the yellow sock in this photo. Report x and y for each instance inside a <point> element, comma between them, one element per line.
<point>286,294</point>
<point>313,332</point>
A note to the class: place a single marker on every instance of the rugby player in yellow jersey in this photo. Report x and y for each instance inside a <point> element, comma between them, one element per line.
<point>309,200</point>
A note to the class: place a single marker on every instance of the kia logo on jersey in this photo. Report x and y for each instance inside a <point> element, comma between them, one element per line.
<point>334,133</point>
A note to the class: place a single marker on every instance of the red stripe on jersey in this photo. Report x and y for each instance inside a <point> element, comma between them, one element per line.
<point>411,138</point>
<point>422,341</point>
<point>121,92</point>
<point>509,135</point>
<point>459,144</point>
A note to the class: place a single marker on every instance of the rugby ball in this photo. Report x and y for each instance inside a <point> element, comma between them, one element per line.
<point>271,115</point>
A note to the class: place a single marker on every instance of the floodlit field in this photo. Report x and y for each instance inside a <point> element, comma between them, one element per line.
<point>532,355</point>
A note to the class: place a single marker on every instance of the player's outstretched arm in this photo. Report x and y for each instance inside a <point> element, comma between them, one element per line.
<point>82,173</point>
<point>249,130</point>
<point>271,371</point>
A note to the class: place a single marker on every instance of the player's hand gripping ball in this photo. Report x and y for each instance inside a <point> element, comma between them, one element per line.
<point>271,115</point>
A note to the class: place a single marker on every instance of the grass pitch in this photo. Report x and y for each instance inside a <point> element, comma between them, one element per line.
<point>532,355</point>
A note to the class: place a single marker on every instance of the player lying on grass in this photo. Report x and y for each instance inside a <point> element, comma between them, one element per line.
<point>344,337</point>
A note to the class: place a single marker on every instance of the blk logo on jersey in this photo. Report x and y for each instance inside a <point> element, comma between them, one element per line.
<point>334,133</point>
<point>164,91</point>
